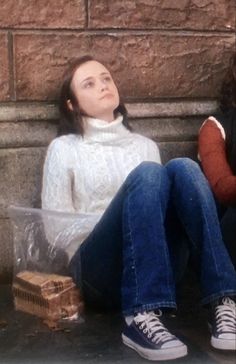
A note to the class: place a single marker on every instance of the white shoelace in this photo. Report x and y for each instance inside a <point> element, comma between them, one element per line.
<point>226,316</point>
<point>151,325</point>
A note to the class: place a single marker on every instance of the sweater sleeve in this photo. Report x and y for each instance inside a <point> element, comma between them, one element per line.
<point>153,152</point>
<point>57,179</point>
<point>212,153</point>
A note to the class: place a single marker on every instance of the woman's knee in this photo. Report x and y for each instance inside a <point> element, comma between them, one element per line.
<point>149,172</point>
<point>183,166</point>
<point>186,175</point>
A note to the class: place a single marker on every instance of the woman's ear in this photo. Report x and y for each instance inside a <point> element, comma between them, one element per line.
<point>69,104</point>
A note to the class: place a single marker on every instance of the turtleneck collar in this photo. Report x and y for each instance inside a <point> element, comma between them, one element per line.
<point>102,131</point>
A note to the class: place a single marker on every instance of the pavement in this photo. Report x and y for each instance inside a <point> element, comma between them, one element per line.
<point>96,337</point>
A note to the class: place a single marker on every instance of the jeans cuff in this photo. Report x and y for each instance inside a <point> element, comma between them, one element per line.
<point>149,307</point>
<point>215,296</point>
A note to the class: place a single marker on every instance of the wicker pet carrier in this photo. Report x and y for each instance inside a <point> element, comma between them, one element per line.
<point>49,296</point>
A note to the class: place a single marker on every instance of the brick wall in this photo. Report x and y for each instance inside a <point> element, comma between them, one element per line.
<point>167,57</point>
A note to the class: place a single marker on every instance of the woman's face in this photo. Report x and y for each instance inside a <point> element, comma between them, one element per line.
<point>95,91</point>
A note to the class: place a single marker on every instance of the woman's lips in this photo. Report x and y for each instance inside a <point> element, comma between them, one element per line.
<point>109,95</point>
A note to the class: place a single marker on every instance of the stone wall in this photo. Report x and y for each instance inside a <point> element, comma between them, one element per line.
<point>167,57</point>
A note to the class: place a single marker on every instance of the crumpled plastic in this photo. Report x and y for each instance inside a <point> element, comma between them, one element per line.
<point>44,240</point>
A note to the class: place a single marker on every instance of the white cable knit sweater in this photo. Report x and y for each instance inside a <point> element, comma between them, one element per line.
<point>82,175</point>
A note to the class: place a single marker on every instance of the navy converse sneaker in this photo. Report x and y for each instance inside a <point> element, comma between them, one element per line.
<point>223,325</point>
<point>148,336</point>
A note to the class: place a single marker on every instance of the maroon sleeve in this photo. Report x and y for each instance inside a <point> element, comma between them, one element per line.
<point>212,153</point>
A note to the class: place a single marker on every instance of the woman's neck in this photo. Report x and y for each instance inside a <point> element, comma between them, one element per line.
<point>108,117</point>
<point>103,131</point>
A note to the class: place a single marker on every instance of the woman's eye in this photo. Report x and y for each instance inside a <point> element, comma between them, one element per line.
<point>107,79</point>
<point>88,84</point>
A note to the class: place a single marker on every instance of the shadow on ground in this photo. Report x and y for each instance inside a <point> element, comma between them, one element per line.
<point>96,338</point>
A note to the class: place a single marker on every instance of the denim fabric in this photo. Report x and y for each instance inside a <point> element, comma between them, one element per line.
<point>228,228</point>
<point>133,254</point>
<point>196,209</point>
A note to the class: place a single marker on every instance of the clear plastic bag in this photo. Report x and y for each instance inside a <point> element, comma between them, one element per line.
<point>46,240</point>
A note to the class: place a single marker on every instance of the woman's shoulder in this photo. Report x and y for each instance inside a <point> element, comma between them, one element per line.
<point>148,148</point>
<point>141,139</point>
<point>65,141</point>
<point>63,149</point>
<point>62,152</point>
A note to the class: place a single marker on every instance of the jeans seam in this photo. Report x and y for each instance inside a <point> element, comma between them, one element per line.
<point>170,287</point>
<point>211,244</point>
<point>132,248</point>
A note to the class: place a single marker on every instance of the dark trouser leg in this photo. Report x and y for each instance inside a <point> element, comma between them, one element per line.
<point>196,209</point>
<point>228,228</point>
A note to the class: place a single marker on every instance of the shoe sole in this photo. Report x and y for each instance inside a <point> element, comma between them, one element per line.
<point>161,354</point>
<point>222,344</point>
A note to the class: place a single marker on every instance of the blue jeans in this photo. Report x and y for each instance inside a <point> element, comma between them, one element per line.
<point>130,256</point>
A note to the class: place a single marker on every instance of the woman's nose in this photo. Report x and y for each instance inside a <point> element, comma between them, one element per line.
<point>103,85</point>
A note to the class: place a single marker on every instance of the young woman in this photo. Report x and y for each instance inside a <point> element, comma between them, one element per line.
<point>128,258</point>
<point>217,151</point>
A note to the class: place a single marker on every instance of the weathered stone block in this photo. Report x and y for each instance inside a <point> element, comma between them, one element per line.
<point>20,178</point>
<point>159,14</point>
<point>40,134</point>
<point>26,134</point>
<point>30,111</point>
<point>42,14</point>
<point>148,65</point>
<point>169,150</point>
<point>170,108</point>
<point>4,68</point>
<point>168,129</point>
<point>41,60</point>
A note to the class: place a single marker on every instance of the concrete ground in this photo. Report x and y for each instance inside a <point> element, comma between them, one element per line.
<point>96,338</point>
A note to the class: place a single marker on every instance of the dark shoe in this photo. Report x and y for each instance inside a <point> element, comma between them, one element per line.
<point>148,336</point>
<point>223,325</point>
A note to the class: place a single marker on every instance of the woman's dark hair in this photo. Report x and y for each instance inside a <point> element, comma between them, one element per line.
<point>227,98</point>
<point>71,121</point>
